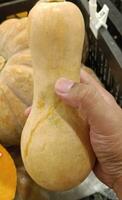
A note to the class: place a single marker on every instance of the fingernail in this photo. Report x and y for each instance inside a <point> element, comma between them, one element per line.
<point>63,85</point>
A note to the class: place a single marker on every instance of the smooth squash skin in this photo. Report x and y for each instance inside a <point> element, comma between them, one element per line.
<point>55,143</point>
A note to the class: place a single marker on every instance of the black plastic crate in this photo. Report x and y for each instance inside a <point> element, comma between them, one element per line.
<point>114,20</point>
<point>105,54</point>
<point>118,4</point>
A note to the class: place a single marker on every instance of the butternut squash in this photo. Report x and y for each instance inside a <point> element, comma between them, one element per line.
<point>8,176</point>
<point>55,143</point>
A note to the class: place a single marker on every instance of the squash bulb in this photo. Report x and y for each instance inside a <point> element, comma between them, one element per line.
<point>55,143</point>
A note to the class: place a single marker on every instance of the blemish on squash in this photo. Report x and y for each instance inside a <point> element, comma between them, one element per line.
<point>54,120</point>
<point>2,62</point>
<point>40,121</point>
<point>41,104</point>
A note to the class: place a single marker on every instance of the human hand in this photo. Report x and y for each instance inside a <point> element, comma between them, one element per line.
<point>104,117</point>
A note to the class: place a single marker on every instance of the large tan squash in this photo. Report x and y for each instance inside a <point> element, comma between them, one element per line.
<point>15,79</point>
<point>55,142</point>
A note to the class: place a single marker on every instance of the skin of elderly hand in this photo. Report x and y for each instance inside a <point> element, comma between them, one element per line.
<point>104,117</point>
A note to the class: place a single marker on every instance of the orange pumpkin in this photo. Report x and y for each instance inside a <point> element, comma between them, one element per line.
<point>8,177</point>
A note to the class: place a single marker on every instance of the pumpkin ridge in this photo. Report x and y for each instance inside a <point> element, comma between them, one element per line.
<point>10,108</point>
<point>22,53</point>
<point>18,97</point>
<point>2,63</point>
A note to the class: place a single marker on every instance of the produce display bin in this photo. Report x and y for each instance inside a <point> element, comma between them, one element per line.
<point>118,4</point>
<point>105,53</point>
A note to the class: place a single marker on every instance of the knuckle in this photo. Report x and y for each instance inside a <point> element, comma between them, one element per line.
<point>83,94</point>
<point>88,94</point>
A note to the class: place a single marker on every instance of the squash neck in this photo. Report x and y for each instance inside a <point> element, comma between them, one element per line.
<point>44,88</point>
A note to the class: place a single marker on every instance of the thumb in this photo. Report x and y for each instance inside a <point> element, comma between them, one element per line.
<point>89,100</point>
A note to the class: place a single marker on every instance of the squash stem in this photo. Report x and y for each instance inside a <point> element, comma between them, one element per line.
<point>55,1</point>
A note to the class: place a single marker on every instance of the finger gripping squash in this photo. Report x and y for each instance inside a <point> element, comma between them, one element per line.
<point>55,142</point>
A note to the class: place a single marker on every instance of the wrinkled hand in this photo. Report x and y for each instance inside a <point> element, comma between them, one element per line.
<point>104,117</point>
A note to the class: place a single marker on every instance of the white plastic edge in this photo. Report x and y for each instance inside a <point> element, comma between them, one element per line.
<point>97,19</point>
